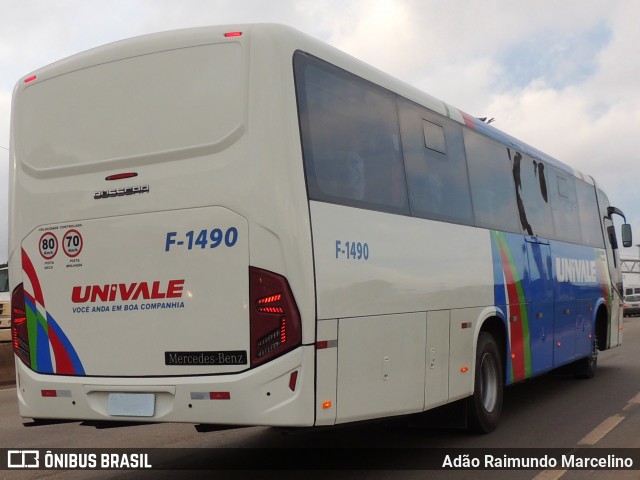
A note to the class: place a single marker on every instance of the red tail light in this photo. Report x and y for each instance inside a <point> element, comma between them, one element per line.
<point>19,332</point>
<point>275,319</point>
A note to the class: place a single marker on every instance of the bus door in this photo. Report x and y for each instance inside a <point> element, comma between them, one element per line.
<point>614,272</point>
<point>540,304</point>
<point>615,276</point>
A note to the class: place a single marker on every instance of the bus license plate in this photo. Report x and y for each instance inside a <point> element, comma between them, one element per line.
<point>131,404</point>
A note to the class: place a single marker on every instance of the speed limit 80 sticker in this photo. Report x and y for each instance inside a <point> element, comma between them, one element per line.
<point>48,245</point>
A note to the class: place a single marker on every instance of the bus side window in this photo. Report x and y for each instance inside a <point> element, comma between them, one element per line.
<point>350,138</point>
<point>492,185</point>
<point>564,206</point>
<point>589,216</point>
<point>530,176</point>
<point>436,166</point>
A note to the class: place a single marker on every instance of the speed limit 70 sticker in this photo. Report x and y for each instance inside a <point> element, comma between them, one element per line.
<point>72,243</point>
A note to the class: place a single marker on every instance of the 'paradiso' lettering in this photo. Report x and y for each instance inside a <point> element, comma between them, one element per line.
<point>575,271</point>
<point>127,291</point>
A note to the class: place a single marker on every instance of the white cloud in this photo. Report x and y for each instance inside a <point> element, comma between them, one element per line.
<point>591,124</point>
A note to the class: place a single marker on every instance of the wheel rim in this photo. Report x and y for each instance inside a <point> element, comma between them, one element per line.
<point>489,382</point>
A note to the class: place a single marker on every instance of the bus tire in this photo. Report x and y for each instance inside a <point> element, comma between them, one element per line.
<point>586,367</point>
<point>485,405</point>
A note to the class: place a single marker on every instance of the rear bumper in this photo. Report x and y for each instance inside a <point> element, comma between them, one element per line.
<point>261,396</point>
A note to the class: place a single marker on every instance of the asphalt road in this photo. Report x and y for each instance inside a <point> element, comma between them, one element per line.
<point>553,411</point>
<point>7,368</point>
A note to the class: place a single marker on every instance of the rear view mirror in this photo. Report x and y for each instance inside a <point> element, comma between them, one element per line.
<point>626,229</point>
<point>627,238</point>
<point>613,239</point>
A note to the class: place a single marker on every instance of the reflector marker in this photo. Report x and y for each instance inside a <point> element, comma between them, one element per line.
<point>56,393</point>
<point>323,344</point>
<point>326,405</point>
<point>210,395</point>
<point>219,395</point>
<point>293,380</point>
<point>233,34</point>
<point>30,79</point>
<point>466,325</point>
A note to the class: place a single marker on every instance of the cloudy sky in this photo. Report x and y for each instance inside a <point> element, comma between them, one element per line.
<point>562,76</point>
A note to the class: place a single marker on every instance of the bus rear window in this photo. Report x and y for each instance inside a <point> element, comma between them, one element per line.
<point>164,101</point>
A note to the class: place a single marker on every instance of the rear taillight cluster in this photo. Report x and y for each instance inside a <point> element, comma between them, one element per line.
<point>275,320</point>
<point>19,330</point>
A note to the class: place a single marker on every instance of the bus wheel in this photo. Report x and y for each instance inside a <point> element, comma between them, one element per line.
<point>485,405</point>
<point>586,367</point>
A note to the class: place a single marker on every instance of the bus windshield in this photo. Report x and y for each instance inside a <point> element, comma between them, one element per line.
<point>4,280</point>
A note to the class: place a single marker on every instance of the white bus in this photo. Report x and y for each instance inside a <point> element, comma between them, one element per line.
<point>242,225</point>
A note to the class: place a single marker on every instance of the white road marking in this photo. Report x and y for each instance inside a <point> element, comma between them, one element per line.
<point>601,430</point>
<point>632,403</point>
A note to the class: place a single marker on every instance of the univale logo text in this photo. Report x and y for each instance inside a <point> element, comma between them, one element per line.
<point>114,292</point>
